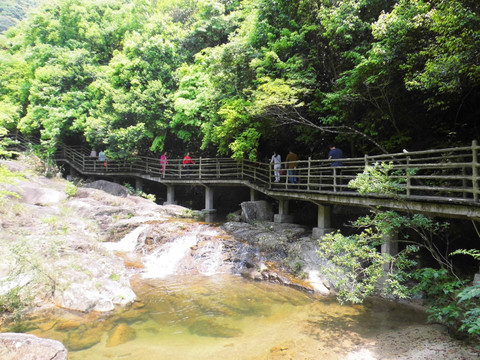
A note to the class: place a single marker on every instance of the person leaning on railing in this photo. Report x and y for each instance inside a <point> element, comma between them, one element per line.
<point>187,161</point>
<point>335,154</point>
<point>102,157</point>
<point>276,161</point>
<point>292,162</point>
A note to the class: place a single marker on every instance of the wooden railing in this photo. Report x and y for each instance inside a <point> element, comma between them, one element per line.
<point>450,174</point>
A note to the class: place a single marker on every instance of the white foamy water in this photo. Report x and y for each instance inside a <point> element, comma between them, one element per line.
<point>128,243</point>
<point>209,258</point>
<point>164,261</point>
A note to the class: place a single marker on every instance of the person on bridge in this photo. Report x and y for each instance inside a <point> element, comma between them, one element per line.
<point>163,162</point>
<point>187,161</point>
<point>102,157</point>
<point>276,161</point>
<point>292,162</point>
<point>335,154</point>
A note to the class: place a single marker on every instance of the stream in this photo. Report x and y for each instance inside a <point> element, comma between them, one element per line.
<point>193,307</point>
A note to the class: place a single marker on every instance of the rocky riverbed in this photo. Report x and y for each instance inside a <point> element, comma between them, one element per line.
<point>58,249</point>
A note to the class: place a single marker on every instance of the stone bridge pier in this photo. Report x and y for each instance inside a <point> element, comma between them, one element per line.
<point>323,221</point>
<point>282,216</point>
<point>323,218</point>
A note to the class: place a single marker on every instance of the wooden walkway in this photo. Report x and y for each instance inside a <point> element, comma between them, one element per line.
<point>442,182</point>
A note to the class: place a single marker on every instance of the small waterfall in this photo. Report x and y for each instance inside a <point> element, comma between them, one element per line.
<point>197,252</point>
<point>164,261</point>
<point>128,243</point>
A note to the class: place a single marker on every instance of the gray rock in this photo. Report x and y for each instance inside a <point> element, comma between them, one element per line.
<point>87,297</point>
<point>256,210</point>
<point>23,346</point>
<point>109,187</point>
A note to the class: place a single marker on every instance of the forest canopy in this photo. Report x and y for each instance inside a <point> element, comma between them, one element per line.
<point>241,78</point>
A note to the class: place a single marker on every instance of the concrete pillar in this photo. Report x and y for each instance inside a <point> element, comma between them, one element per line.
<point>390,246</point>
<point>282,216</point>
<point>476,278</point>
<point>323,222</point>
<point>252,194</point>
<point>138,184</point>
<point>170,195</point>
<point>209,199</point>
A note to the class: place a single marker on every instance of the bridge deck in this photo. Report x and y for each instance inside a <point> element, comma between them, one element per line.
<point>443,182</point>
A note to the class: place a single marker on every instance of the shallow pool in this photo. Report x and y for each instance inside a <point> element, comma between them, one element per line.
<point>222,317</point>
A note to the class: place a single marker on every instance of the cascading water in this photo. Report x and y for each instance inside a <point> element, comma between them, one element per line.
<point>129,241</point>
<point>209,258</point>
<point>164,261</point>
<point>177,255</point>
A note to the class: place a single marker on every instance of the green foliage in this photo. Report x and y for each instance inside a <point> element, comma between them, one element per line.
<point>377,179</point>
<point>440,289</point>
<point>11,302</point>
<point>471,252</point>
<point>71,189</point>
<point>140,76</point>
<point>8,177</point>
<point>132,191</point>
<point>469,299</point>
<point>355,266</point>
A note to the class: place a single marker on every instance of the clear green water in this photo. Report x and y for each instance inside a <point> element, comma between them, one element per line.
<point>222,317</point>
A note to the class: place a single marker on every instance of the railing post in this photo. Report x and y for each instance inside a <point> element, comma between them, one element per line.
<point>200,167</point>
<point>334,179</point>
<point>366,160</point>
<point>308,172</point>
<point>242,169</point>
<point>475,170</point>
<point>408,184</point>
<point>271,171</point>
<point>217,167</point>
<point>83,161</point>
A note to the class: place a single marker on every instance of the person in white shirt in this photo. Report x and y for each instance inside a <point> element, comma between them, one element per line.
<point>276,160</point>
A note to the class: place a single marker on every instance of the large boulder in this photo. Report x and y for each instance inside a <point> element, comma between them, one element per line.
<point>24,346</point>
<point>88,297</point>
<point>109,187</point>
<point>256,210</point>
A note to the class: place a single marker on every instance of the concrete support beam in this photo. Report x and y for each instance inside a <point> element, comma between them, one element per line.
<point>476,278</point>
<point>252,195</point>
<point>209,199</point>
<point>390,246</point>
<point>170,195</point>
<point>282,216</point>
<point>138,184</point>
<point>323,222</point>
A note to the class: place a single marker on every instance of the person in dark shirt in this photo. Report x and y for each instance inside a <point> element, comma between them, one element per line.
<point>335,154</point>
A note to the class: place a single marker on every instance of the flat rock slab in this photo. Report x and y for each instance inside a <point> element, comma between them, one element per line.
<point>24,346</point>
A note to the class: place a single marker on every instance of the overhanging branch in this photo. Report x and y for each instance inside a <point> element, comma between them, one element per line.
<point>291,115</point>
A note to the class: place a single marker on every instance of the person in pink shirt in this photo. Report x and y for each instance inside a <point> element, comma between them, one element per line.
<point>163,162</point>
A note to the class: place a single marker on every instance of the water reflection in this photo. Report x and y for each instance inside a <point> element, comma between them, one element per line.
<point>222,316</point>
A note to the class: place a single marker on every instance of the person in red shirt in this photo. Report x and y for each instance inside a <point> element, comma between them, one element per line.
<point>187,161</point>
